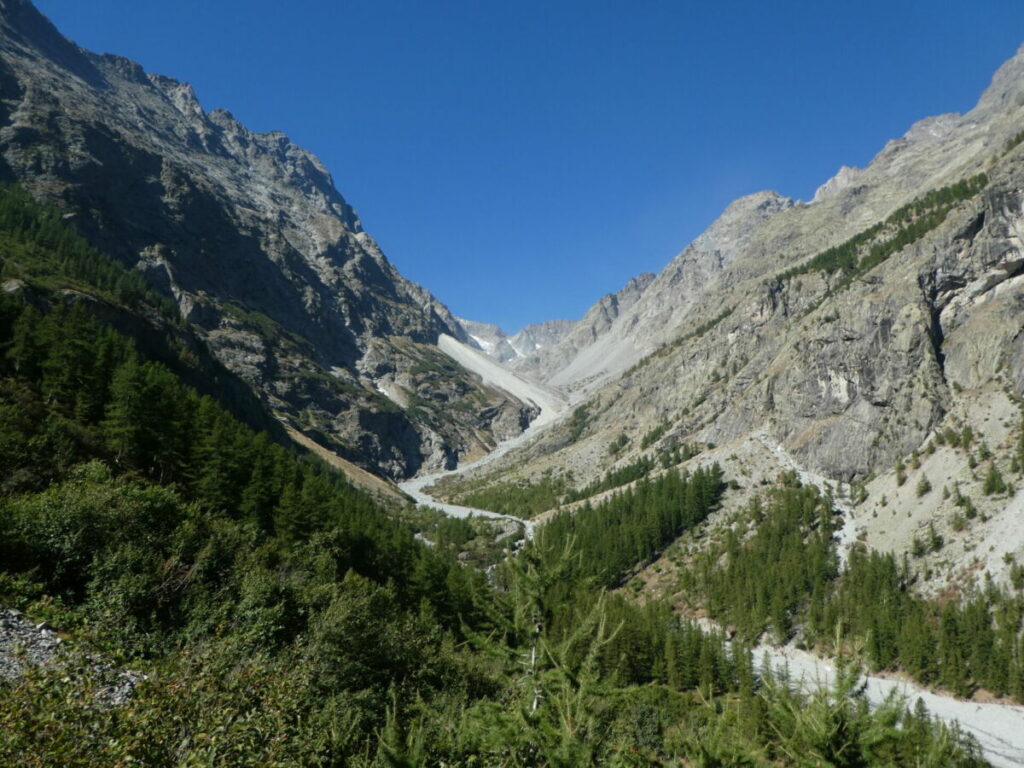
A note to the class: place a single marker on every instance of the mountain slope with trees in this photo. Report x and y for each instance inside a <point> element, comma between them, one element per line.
<point>248,235</point>
<point>281,617</point>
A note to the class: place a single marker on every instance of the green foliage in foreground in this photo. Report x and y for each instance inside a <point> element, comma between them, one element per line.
<point>349,644</point>
<point>624,686</point>
<point>283,620</point>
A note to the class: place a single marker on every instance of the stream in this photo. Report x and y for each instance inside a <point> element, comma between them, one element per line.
<point>415,487</point>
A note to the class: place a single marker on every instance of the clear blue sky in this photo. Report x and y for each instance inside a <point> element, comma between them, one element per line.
<point>520,159</point>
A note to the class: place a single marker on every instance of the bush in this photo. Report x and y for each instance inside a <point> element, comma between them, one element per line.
<point>923,486</point>
<point>994,482</point>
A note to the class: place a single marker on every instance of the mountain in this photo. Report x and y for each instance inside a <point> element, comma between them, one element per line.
<point>766,231</point>
<point>181,584</point>
<point>489,339</point>
<point>844,337</point>
<point>577,353</point>
<point>249,235</point>
<point>493,341</point>
<point>537,336</point>
<point>246,584</point>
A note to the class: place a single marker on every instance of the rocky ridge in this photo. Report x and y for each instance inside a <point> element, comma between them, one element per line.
<point>565,361</point>
<point>538,336</point>
<point>735,338</point>
<point>493,341</point>
<point>766,231</point>
<point>250,236</point>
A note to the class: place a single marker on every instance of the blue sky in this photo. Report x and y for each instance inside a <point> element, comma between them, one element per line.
<point>520,159</point>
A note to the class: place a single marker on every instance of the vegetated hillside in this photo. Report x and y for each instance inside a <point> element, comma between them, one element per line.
<point>281,618</point>
<point>248,235</point>
<point>844,333</point>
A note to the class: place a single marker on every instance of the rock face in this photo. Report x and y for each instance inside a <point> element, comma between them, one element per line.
<point>538,336</point>
<point>622,328</point>
<point>490,339</point>
<point>507,349</point>
<point>568,361</point>
<point>248,233</point>
<point>847,376</point>
<point>765,231</point>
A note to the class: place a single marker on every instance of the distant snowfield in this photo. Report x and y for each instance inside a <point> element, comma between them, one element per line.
<point>550,401</point>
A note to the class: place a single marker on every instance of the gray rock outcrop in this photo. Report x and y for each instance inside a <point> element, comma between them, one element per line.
<point>250,236</point>
<point>847,376</point>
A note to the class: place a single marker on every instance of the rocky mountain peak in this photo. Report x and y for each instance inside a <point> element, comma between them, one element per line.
<point>845,178</point>
<point>488,338</point>
<point>762,203</point>
<point>635,286</point>
<point>540,335</point>
<point>22,19</point>
<point>1006,90</point>
<point>25,30</point>
<point>250,236</point>
<point>496,343</point>
<point>739,218</point>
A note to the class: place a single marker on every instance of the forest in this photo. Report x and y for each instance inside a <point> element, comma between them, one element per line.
<point>281,617</point>
<point>780,573</point>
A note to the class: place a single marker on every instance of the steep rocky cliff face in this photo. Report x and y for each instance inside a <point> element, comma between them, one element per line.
<point>248,233</point>
<point>746,333</point>
<point>537,336</point>
<point>765,231</point>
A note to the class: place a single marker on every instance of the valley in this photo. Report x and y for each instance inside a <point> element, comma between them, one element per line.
<point>997,725</point>
<point>751,509</point>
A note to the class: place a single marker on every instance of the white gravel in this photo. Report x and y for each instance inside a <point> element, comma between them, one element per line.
<point>999,728</point>
<point>550,401</point>
<point>24,644</point>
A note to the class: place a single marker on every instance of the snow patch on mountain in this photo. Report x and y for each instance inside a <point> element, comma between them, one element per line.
<point>550,401</point>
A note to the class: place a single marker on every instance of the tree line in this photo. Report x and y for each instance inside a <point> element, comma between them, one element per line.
<point>779,573</point>
<point>283,618</point>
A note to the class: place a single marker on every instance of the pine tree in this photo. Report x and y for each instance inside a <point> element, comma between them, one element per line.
<point>994,482</point>
<point>923,486</point>
<point>124,425</point>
